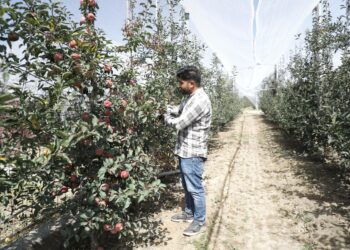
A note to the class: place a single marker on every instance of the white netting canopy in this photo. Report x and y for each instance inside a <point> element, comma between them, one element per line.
<point>251,35</point>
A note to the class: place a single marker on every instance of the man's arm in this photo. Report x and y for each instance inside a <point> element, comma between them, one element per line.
<point>186,118</point>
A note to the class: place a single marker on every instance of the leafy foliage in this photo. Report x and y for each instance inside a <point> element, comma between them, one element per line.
<point>310,97</point>
<point>82,131</point>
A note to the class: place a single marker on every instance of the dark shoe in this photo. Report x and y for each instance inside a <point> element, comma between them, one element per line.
<point>194,228</point>
<point>182,217</point>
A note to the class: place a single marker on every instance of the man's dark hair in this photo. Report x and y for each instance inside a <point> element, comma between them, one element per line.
<point>188,73</point>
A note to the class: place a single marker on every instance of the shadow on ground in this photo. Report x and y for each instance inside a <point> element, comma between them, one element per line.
<point>331,182</point>
<point>172,198</point>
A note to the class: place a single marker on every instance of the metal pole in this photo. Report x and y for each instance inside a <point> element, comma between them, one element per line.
<point>157,16</point>
<point>347,13</point>
<point>127,10</point>
<point>156,4</point>
<point>171,18</point>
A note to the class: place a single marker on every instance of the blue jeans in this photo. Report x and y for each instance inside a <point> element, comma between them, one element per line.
<point>191,177</point>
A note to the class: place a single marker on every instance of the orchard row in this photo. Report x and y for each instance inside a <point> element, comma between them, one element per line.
<point>81,129</point>
<point>309,98</point>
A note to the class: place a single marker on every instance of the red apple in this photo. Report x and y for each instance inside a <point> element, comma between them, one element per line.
<point>106,120</point>
<point>73,178</point>
<point>118,227</point>
<point>77,85</point>
<point>102,203</point>
<point>108,112</point>
<point>90,17</point>
<point>97,200</point>
<point>99,151</point>
<point>121,110</point>
<point>109,83</point>
<point>58,56</point>
<point>64,189</point>
<point>82,20</point>
<point>105,187</point>
<point>107,103</point>
<point>124,174</point>
<point>107,68</point>
<point>73,44</point>
<point>92,3</point>
<point>85,116</point>
<point>108,155</point>
<point>82,2</point>
<point>132,82</point>
<point>124,102</point>
<point>76,56</point>
<point>107,227</point>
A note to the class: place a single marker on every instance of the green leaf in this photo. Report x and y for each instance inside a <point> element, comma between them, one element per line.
<point>64,156</point>
<point>127,203</point>
<point>94,121</point>
<point>5,98</point>
<point>101,173</point>
<point>141,198</point>
<point>84,217</point>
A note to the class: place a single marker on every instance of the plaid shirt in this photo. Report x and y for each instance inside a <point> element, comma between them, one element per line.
<point>192,119</point>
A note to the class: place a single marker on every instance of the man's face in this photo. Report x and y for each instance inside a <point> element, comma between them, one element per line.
<point>185,87</point>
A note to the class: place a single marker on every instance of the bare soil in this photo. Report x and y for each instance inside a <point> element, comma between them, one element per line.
<point>262,194</point>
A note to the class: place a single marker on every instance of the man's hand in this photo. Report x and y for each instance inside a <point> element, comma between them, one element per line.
<point>171,110</point>
<point>167,117</point>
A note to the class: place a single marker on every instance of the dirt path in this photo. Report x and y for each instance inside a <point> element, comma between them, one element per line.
<point>262,195</point>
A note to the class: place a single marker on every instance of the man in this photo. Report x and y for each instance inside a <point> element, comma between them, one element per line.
<point>192,119</point>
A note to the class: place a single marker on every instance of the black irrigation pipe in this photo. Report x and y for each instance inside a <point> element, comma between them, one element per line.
<point>167,173</point>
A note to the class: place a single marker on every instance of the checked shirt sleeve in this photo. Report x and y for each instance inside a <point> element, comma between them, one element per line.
<point>187,117</point>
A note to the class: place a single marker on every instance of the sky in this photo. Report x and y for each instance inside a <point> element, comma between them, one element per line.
<point>110,17</point>
<point>252,35</point>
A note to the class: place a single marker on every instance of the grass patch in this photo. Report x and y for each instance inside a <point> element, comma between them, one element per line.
<point>310,246</point>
